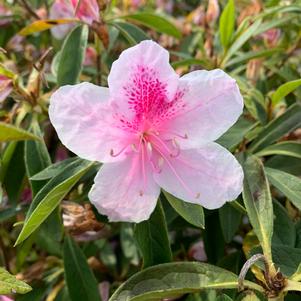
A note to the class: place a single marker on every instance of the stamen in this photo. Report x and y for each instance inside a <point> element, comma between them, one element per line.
<point>185,136</point>
<point>119,153</point>
<point>177,147</point>
<point>141,193</point>
<point>197,196</point>
<point>165,146</point>
<point>134,148</point>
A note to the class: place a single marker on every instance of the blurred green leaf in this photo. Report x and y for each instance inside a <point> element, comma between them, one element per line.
<point>52,170</point>
<point>156,22</point>
<point>286,148</point>
<point>132,33</point>
<point>36,158</point>
<point>258,202</point>
<point>192,213</point>
<point>274,130</point>
<point>288,184</point>
<point>175,279</point>
<point>223,297</point>
<point>72,56</point>
<point>152,238</point>
<point>284,90</point>
<point>9,284</point>
<point>128,244</point>
<point>230,219</point>
<point>9,132</point>
<point>80,280</point>
<point>50,196</point>
<point>227,23</point>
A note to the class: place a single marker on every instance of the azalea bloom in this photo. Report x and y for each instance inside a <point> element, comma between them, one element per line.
<point>87,11</point>
<point>6,87</point>
<point>152,129</point>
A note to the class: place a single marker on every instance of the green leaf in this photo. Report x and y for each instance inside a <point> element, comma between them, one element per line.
<point>9,132</point>
<point>236,133</point>
<point>240,41</point>
<point>287,122</point>
<point>223,297</point>
<point>81,282</point>
<point>227,23</point>
<point>72,56</point>
<point>53,170</point>
<point>152,238</point>
<point>131,32</point>
<point>284,232</point>
<point>230,219</point>
<point>36,158</point>
<point>284,90</point>
<point>128,244</point>
<point>50,196</point>
<point>286,148</point>
<point>175,279</point>
<point>192,213</point>
<point>9,284</point>
<point>288,184</point>
<point>156,22</point>
<point>248,296</point>
<point>286,258</point>
<point>258,202</point>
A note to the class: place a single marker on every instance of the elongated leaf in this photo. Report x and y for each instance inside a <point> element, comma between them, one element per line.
<point>223,297</point>
<point>288,184</point>
<point>192,213</point>
<point>241,40</point>
<point>286,148</point>
<point>81,282</point>
<point>72,56</point>
<point>248,296</point>
<point>42,25</point>
<point>53,170</point>
<point>36,158</point>
<point>131,32</point>
<point>226,23</point>
<point>284,90</point>
<point>156,22</point>
<point>230,219</point>
<point>258,202</point>
<point>287,122</point>
<point>50,196</point>
<point>9,284</point>
<point>175,279</point>
<point>9,132</point>
<point>152,238</point>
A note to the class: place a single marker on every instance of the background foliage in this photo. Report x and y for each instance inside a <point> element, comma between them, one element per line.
<point>55,241</point>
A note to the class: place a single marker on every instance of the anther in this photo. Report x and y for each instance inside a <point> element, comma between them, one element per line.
<point>141,193</point>
<point>197,196</point>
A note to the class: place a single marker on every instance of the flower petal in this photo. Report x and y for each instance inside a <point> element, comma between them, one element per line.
<point>88,10</point>
<point>213,105</point>
<point>123,192</point>
<point>84,120</point>
<point>61,9</point>
<point>141,73</point>
<point>208,176</point>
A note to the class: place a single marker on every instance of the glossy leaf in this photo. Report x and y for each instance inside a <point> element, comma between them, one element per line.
<point>258,202</point>
<point>50,196</point>
<point>192,213</point>
<point>41,25</point>
<point>284,90</point>
<point>72,56</point>
<point>9,132</point>
<point>175,279</point>
<point>80,280</point>
<point>152,238</point>
<point>227,23</point>
<point>286,148</point>
<point>156,22</point>
<point>285,123</point>
<point>288,184</point>
<point>131,32</point>
<point>9,284</point>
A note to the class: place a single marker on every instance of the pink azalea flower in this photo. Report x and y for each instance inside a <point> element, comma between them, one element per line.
<point>152,129</point>
<point>88,11</point>
<point>5,15</point>
<point>6,86</point>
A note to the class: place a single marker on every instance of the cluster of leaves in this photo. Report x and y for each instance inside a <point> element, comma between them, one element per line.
<point>64,249</point>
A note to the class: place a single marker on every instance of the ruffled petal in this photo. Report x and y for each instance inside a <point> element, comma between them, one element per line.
<point>213,104</point>
<point>124,192</point>
<point>84,122</point>
<point>140,76</point>
<point>209,176</point>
